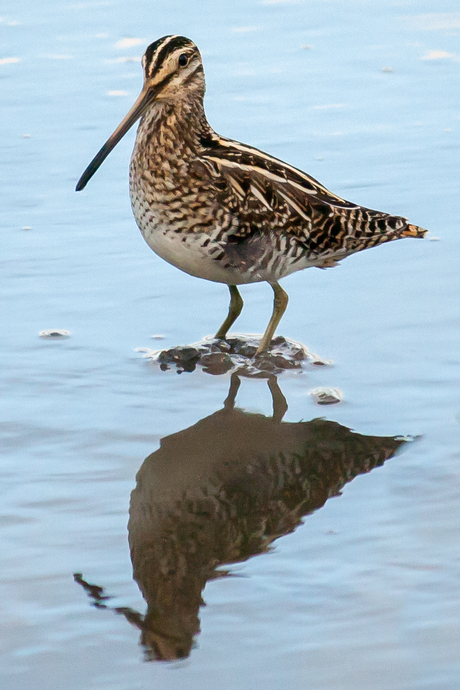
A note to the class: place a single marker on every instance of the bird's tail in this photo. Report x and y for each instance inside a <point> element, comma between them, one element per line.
<point>414,231</point>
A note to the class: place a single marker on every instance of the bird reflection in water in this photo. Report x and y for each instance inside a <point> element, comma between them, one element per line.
<point>220,492</point>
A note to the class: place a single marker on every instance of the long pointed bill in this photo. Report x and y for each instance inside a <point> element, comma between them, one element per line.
<point>146,96</point>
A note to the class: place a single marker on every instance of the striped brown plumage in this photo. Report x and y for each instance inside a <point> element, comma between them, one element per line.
<point>222,210</point>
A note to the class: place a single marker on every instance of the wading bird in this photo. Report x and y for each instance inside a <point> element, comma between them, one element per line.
<point>225,211</point>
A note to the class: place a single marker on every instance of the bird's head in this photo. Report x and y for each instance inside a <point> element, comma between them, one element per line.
<point>173,71</point>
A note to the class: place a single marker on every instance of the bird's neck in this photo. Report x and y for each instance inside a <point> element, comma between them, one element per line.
<point>172,129</point>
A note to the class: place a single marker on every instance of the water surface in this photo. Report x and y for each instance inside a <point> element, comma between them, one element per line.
<point>354,585</point>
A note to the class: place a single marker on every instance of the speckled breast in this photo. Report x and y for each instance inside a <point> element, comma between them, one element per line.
<point>181,226</point>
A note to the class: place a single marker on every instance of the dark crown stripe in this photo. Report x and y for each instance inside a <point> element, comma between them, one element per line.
<point>153,47</point>
<point>157,52</point>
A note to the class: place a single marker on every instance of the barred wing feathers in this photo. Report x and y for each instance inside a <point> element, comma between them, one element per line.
<point>269,195</point>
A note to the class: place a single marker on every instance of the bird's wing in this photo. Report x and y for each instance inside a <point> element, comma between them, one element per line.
<point>261,192</point>
<point>249,172</point>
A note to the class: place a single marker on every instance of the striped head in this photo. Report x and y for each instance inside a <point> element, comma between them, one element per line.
<point>173,71</point>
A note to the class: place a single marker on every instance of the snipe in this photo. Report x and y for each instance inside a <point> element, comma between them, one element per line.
<point>225,211</point>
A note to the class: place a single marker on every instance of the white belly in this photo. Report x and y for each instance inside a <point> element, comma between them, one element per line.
<point>188,254</point>
<point>203,251</point>
<point>192,253</point>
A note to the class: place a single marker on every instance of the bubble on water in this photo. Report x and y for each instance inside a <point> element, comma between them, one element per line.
<point>125,58</point>
<point>326,396</point>
<point>437,55</point>
<point>54,333</point>
<point>129,42</point>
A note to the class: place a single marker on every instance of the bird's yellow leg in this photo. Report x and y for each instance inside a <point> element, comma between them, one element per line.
<point>234,310</point>
<point>235,382</point>
<point>280,303</point>
<point>280,405</point>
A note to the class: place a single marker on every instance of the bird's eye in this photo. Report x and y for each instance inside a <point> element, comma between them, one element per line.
<point>183,59</point>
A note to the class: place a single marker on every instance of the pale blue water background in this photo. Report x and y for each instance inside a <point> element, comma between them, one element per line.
<point>366,593</point>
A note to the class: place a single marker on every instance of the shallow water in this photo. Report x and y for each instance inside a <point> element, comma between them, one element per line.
<point>346,581</point>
